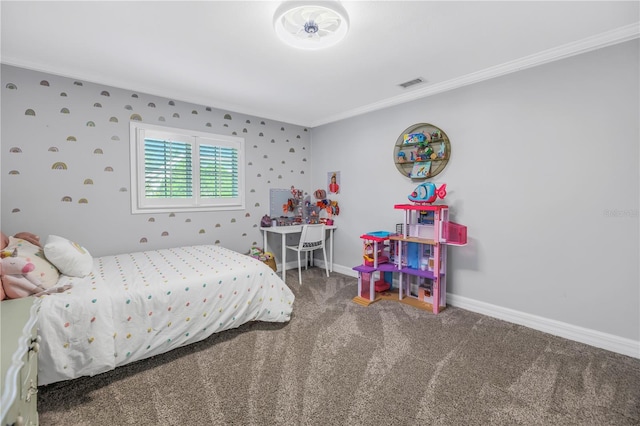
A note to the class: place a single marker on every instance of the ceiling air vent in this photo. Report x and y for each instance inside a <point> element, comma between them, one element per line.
<point>411,82</point>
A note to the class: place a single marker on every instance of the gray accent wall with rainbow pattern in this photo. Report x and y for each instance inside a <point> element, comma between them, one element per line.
<point>65,166</point>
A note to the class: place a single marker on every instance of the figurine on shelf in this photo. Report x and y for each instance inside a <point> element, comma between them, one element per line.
<point>429,152</point>
<point>425,154</point>
<point>420,170</point>
<point>411,138</point>
<point>401,157</point>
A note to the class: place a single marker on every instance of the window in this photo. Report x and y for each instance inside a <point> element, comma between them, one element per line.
<point>184,170</point>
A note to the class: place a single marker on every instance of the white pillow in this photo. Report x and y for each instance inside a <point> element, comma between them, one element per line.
<point>70,258</point>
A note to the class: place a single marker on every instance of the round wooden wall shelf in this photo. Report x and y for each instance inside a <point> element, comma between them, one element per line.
<point>422,151</point>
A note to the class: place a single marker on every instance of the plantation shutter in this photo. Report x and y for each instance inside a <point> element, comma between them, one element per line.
<point>184,170</point>
<point>218,171</point>
<point>168,171</point>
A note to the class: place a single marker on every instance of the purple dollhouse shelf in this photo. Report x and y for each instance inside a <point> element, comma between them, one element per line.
<point>364,268</point>
<point>387,267</point>
<point>419,273</point>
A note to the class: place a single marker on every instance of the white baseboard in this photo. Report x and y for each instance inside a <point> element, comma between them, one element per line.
<point>320,264</point>
<point>587,336</point>
<point>345,271</point>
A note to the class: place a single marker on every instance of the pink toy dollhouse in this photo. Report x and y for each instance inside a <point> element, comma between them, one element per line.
<point>418,254</point>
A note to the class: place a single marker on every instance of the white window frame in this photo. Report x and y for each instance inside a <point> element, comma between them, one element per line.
<point>141,204</point>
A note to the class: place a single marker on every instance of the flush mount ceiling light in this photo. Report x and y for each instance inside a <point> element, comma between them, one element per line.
<point>311,24</point>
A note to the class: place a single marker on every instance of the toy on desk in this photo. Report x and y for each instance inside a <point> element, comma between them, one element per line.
<point>266,221</point>
<point>427,193</point>
<point>313,217</point>
<point>332,209</point>
<point>326,205</point>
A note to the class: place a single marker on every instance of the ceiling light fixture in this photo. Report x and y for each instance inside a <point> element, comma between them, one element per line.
<point>311,25</point>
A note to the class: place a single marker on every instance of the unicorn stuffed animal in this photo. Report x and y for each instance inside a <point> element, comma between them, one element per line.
<point>17,279</point>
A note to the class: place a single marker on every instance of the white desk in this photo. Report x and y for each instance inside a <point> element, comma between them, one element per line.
<point>294,229</point>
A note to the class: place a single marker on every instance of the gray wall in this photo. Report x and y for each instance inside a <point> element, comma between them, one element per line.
<point>80,189</point>
<point>544,172</point>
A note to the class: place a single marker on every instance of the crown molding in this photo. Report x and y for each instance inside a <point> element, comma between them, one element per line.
<point>609,38</point>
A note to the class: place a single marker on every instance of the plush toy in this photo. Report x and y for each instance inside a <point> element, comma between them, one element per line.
<point>17,279</point>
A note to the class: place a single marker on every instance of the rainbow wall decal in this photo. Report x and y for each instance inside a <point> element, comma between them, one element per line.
<point>59,166</point>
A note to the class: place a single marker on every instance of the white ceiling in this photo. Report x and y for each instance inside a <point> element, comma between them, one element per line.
<point>224,54</point>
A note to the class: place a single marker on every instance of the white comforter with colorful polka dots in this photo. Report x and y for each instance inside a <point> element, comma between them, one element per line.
<point>136,305</point>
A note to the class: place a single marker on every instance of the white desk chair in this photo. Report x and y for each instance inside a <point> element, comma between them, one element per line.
<point>312,238</point>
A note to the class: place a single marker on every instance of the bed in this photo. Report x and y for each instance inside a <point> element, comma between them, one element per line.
<point>136,305</point>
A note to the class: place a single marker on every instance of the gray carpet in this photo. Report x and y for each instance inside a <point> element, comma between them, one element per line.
<point>338,363</point>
